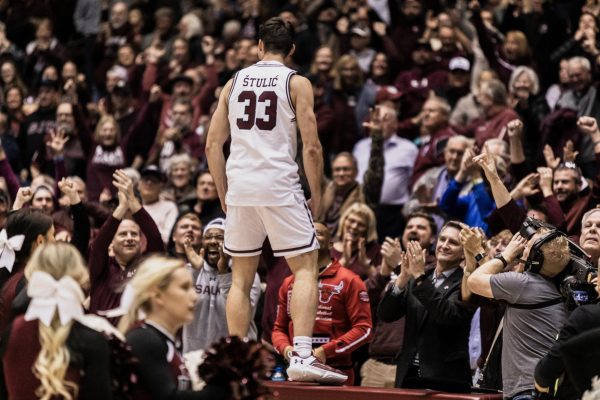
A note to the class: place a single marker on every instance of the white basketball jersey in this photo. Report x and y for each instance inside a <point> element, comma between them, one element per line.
<point>261,168</point>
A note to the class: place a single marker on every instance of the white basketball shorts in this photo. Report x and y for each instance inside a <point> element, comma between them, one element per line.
<point>290,230</point>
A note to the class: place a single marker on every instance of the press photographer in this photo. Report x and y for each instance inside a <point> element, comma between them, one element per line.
<point>551,374</point>
<point>535,310</point>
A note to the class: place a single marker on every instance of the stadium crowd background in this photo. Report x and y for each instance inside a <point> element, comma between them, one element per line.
<point>407,93</point>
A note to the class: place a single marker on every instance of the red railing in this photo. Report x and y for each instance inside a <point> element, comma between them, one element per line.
<point>304,391</point>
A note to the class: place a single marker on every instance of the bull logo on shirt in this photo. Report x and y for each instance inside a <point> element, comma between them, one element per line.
<point>326,291</point>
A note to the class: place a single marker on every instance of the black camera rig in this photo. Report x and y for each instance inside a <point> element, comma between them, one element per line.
<point>575,282</point>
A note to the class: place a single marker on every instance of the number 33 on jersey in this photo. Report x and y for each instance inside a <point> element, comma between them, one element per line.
<point>262,120</point>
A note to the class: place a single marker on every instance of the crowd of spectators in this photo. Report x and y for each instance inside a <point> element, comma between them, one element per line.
<point>444,123</point>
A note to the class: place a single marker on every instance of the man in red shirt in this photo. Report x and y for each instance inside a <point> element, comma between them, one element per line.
<point>343,321</point>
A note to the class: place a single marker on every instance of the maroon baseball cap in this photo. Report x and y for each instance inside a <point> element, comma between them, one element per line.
<point>387,93</point>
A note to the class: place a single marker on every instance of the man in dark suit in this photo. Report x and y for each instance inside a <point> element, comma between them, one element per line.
<point>437,322</point>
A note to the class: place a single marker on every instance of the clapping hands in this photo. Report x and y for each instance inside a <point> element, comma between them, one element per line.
<point>127,198</point>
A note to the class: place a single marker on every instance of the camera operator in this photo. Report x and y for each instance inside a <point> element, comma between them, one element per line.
<point>535,310</point>
<point>587,317</point>
<point>551,368</point>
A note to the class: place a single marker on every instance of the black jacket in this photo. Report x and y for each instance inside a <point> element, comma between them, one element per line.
<point>437,328</point>
<point>552,366</point>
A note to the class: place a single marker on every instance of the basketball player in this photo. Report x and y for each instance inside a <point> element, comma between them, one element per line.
<point>262,107</point>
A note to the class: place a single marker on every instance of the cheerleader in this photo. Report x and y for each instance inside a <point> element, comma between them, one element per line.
<point>49,353</point>
<point>163,294</point>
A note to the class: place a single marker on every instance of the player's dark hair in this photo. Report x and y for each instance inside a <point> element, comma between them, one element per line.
<point>277,36</point>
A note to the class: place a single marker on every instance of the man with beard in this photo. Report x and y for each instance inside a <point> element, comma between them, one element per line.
<point>117,247</point>
<point>436,341</point>
<point>380,369</point>
<point>212,278</point>
<point>566,183</point>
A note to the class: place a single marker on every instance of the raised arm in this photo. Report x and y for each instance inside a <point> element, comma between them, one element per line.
<point>499,191</point>
<point>81,223</point>
<point>312,153</point>
<point>6,171</point>
<point>515,132</point>
<point>138,141</point>
<point>98,254</point>
<point>218,133</point>
<point>589,126</point>
<point>373,178</point>
<point>480,280</point>
<point>141,216</point>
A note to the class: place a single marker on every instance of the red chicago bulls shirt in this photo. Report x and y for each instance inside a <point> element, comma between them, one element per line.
<point>343,315</point>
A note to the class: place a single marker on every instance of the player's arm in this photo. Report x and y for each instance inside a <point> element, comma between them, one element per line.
<point>312,153</point>
<point>218,133</point>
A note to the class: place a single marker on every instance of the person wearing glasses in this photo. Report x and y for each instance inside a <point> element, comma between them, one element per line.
<point>574,199</point>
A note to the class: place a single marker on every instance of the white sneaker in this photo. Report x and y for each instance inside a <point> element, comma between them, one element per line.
<point>312,370</point>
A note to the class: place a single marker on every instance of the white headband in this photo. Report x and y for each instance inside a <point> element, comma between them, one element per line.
<point>218,223</point>
<point>8,246</point>
<point>49,296</point>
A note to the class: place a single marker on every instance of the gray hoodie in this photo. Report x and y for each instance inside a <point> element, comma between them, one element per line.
<point>210,323</point>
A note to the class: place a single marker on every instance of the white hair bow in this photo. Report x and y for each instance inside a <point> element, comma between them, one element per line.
<point>49,296</point>
<point>8,246</point>
<point>127,299</point>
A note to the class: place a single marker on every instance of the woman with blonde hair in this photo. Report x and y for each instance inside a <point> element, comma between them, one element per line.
<point>49,352</point>
<point>356,246</point>
<point>158,301</point>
